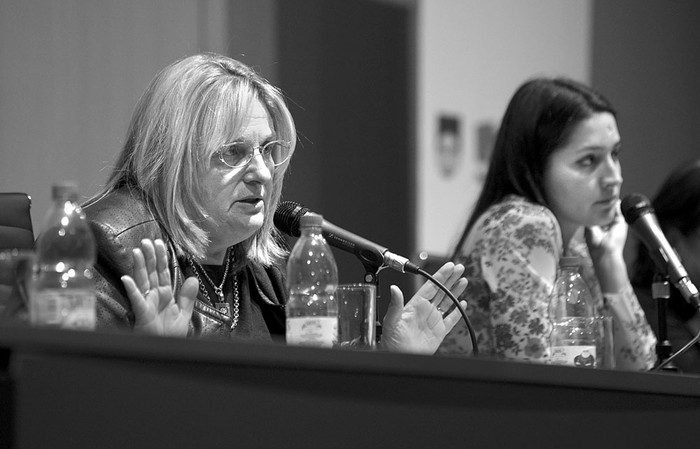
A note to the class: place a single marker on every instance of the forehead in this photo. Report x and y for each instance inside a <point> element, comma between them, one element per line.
<point>256,122</point>
<point>598,130</point>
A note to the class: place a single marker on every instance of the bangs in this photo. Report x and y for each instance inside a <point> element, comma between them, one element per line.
<point>225,113</point>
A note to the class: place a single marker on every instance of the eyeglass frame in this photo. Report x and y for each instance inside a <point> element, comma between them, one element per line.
<point>261,151</point>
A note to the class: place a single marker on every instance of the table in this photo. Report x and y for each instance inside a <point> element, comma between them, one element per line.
<point>102,390</point>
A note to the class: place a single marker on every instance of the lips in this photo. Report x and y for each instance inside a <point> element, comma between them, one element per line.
<point>611,200</point>
<point>251,200</point>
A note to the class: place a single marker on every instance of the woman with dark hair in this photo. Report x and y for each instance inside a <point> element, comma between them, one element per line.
<point>677,208</point>
<point>552,189</point>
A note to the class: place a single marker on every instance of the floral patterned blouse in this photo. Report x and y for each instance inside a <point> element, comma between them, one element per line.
<point>511,258</point>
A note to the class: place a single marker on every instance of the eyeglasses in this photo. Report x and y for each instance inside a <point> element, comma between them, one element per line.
<point>239,154</point>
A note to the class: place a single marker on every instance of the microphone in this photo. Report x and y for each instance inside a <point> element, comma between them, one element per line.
<point>288,216</point>
<point>640,216</point>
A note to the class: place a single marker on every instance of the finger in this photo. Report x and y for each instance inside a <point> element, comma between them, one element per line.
<point>457,290</point>
<point>162,263</point>
<point>453,317</point>
<point>138,303</point>
<point>140,272</point>
<point>592,232</point>
<point>393,312</point>
<point>429,289</point>
<point>449,283</point>
<point>149,253</point>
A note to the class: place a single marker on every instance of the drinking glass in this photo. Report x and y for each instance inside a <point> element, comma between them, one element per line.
<point>16,269</point>
<point>357,316</point>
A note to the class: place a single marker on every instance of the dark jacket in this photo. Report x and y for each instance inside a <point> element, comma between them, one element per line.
<point>120,221</point>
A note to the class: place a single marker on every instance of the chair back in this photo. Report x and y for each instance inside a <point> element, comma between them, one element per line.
<point>16,221</point>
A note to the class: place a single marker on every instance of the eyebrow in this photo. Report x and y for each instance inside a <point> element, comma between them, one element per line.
<point>616,146</point>
<point>270,137</point>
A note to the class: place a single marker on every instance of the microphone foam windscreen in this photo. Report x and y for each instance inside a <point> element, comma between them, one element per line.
<point>288,217</point>
<point>633,206</point>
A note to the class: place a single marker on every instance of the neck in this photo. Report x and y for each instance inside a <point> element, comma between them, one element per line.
<point>567,234</point>
<point>216,257</point>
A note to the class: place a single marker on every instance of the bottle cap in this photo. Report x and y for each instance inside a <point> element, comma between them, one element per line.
<point>65,190</point>
<point>569,261</point>
<point>311,219</point>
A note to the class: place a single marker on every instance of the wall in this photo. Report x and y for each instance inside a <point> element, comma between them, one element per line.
<point>472,55</point>
<point>646,61</point>
<point>73,70</point>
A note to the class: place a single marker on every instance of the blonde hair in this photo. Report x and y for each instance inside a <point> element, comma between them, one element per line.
<point>184,115</point>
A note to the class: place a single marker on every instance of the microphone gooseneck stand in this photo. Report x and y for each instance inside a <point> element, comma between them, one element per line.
<point>372,277</point>
<point>661,292</point>
<point>662,364</point>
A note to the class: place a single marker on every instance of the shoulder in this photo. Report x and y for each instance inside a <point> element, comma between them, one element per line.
<point>119,221</point>
<point>119,211</point>
<point>517,219</point>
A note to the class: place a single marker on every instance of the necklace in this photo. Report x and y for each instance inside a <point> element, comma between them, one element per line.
<point>222,306</point>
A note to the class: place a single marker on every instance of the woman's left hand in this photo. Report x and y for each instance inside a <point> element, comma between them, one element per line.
<point>155,307</point>
<point>606,246</point>
<point>419,326</point>
<point>603,241</point>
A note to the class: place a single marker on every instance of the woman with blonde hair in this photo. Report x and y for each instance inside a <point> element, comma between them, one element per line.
<point>184,226</point>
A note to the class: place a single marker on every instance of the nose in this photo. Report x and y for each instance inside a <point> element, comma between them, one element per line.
<point>612,175</point>
<point>257,169</point>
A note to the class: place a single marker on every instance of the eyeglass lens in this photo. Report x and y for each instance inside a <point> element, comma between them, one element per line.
<point>238,154</point>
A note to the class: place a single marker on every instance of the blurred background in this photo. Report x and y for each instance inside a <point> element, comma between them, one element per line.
<point>396,101</point>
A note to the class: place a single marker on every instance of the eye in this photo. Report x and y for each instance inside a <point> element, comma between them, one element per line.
<point>277,150</point>
<point>234,154</point>
<point>616,153</point>
<point>268,148</point>
<point>235,149</point>
<point>587,161</point>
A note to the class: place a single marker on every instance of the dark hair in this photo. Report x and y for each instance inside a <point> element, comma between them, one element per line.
<point>539,119</point>
<point>676,205</point>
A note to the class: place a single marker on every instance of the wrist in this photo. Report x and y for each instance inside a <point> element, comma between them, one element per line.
<point>611,272</point>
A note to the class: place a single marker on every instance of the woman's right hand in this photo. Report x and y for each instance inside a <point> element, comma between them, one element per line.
<point>151,294</point>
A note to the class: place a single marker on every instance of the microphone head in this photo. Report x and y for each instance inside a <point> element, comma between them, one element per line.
<point>634,206</point>
<point>288,217</point>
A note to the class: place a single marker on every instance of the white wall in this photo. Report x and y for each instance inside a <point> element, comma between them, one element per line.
<point>472,55</point>
<point>71,73</point>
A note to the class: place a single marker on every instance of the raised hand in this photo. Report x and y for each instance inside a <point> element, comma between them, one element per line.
<point>419,326</point>
<point>151,293</point>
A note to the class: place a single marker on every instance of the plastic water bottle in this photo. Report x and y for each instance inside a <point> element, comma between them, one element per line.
<point>63,294</point>
<point>312,278</point>
<point>574,336</point>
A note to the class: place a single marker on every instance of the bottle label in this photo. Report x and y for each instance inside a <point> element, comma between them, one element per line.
<point>584,356</point>
<point>319,331</point>
<point>63,308</point>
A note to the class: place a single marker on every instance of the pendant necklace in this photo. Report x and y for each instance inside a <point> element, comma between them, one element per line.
<point>222,305</point>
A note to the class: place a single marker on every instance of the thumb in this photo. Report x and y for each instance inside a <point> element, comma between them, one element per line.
<point>188,295</point>
<point>393,312</point>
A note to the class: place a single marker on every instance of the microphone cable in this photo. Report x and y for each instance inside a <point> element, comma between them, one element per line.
<point>287,219</point>
<point>472,334</point>
<point>685,348</point>
<point>677,353</point>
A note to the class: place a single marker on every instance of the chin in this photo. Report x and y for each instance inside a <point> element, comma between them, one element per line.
<point>602,220</point>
